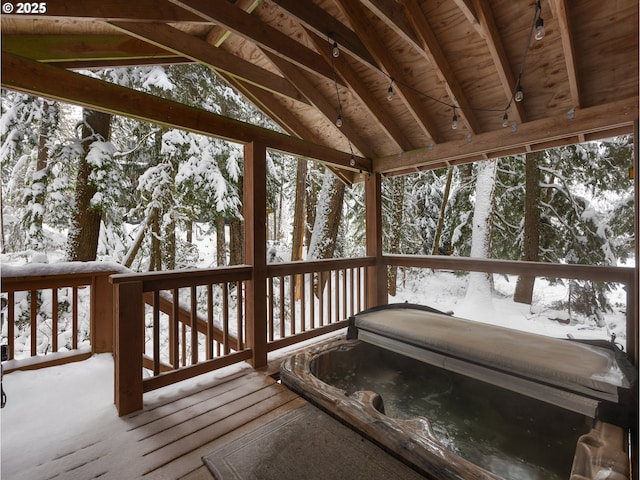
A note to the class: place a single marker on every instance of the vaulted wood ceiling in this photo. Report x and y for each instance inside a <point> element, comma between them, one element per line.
<point>440,57</point>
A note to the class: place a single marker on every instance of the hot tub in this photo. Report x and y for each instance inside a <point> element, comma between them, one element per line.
<point>462,400</point>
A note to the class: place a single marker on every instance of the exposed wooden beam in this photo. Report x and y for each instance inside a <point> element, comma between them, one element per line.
<point>500,60</point>
<point>564,21</point>
<point>51,82</point>
<point>357,16</point>
<point>282,116</point>
<point>253,29</point>
<point>412,26</point>
<point>120,10</point>
<point>466,7</point>
<point>198,50</point>
<point>594,122</point>
<point>321,102</point>
<point>378,113</point>
<point>217,35</point>
<point>82,48</point>
<point>316,19</point>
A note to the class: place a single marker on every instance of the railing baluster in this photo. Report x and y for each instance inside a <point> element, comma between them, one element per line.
<point>210,330</point>
<point>11,325</point>
<point>174,349</point>
<point>344,294</point>
<point>312,301</point>
<point>74,318</point>
<point>54,319</point>
<point>270,307</point>
<point>225,317</point>
<point>320,290</point>
<point>156,332</point>
<point>292,304</point>
<point>303,313</point>
<point>240,316</point>
<point>282,311</point>
<point>194,325</point>
<point>34,327</point>
<point>183,343</point>
<point>329,298</point>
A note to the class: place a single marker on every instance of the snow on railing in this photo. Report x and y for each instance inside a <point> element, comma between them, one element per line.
<point>54,313</point>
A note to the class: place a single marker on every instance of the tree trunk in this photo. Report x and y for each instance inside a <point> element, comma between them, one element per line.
<point>155,263</point>
<point>85,228</point>
<point>298,222</point>
<point>327,221</point>
<point>479,285</point>
<point>170,246</point>
<point>221,242</point>
<point>310,204</point>
<point>443,209</point>
<point>236,241</point>
<point>395,229</point>
<point>531,238</point>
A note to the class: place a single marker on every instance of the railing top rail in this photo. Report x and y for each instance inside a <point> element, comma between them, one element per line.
<point>303,266</point>
<point>518,267</point>
<point>51,275</point>
<point>165,280</point>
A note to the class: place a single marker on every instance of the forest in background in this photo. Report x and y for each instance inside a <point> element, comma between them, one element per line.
<point>84,185</point>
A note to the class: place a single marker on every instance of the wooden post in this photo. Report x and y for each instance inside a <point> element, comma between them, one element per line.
<point>377,290</point>
<point>102,314</point>
<point>633,318</point>
<point>128,347</point>
<point>255,249</point>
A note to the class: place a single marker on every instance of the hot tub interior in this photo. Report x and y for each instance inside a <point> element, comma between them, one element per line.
<point>509,434</point>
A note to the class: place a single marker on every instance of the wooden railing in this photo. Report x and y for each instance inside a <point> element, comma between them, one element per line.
<point>43,297</point>
<point>621,275</point>
<point>308,299</point>
<point>148,319</point>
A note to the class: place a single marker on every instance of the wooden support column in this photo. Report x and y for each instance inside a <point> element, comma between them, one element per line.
<point>128,347</point>
<point>377,290</point>
<point>255,249</point>
<point>102,314</point>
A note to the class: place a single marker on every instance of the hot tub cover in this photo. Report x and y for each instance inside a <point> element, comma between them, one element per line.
<point>586,368</point>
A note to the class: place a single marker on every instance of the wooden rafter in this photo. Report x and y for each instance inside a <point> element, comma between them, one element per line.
<point>564,21</point>
<point>315,97</point>
<point>115,10</point>
<point>96,50</point>
<point>500,60</point>
<point>421,115</point>
<point>56,83</point>
<point>411,24</point>
<point>283,117</point>
<point>378,114</point>
<point>466,7</point>
<point>601,121</point>
<point>198,50</point>
<point>253,29</point>
<point>324,25</point>
<point>217,35</point>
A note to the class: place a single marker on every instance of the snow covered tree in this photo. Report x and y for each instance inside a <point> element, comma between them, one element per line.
<point>82,243</point>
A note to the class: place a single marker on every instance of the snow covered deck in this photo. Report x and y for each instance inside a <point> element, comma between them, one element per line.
<point>60,422</point>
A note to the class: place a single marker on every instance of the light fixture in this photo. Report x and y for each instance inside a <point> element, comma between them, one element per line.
<point>336,50</point>
<point>505,120</point>
<point>519,95</point>
<point>352,162</point>
<point>454,120</point>
<point>390,91</point>
<point>339,120</point>
<point>539,35</point>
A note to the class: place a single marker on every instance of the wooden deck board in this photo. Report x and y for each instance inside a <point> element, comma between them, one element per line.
<point>166,440</point>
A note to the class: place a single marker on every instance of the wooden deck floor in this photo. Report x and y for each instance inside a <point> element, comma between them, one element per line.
<point>166,440</point>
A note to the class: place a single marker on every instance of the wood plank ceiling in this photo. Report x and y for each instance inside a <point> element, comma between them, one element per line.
<point>440,58</point>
